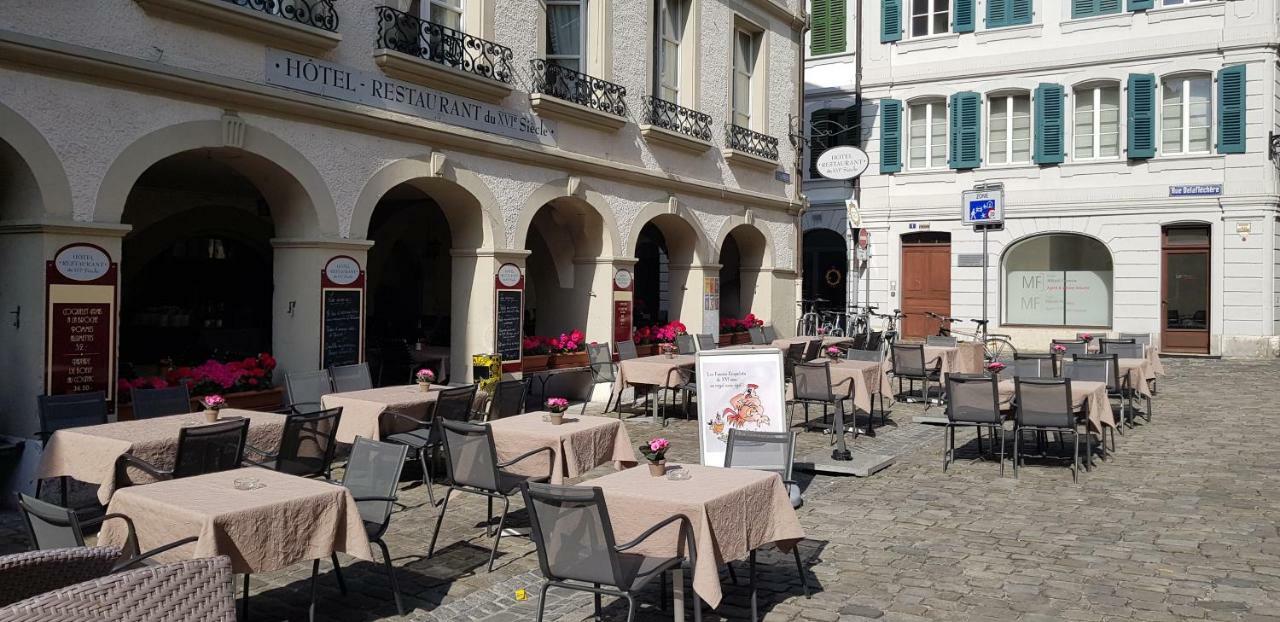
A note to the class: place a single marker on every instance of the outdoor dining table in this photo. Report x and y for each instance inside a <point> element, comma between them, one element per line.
<point>861,378</point>
<point>784,342</point>
<point>1137,374</point>
<point>963,358</point>
<point>89,453</point>
<point>659,372</point>
<point>362,410</point>
<point>578,445</point>
<point>1092,396</point>
<point>733,512</point>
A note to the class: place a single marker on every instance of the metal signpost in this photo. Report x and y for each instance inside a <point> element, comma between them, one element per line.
<point>983,208</point>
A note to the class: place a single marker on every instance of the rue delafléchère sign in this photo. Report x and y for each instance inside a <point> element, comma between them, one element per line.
<point>318,77</point>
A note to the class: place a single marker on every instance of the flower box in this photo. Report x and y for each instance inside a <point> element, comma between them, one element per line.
<point>741,338</point>
<point>534,362</point>
<point>648,349</point>
<point>726,339</point>
<point>564,361</point>
<point>269,399</point>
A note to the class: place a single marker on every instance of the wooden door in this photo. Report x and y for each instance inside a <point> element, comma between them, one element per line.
<point>926,282</point>
<point>1184,289</point>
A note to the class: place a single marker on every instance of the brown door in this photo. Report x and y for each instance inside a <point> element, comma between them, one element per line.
<point>926,282</point>
<point>1184,289</point>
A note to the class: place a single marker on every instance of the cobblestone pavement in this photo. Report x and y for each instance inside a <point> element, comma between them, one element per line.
<point>1179,524</point>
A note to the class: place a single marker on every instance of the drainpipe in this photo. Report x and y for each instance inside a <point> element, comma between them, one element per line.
<point>797,169</point>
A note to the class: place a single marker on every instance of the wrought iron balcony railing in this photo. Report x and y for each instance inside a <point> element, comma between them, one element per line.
<point>668,116</point>
<point>443,45</point>
<point>748,141</point>
<point>563,83</point>
<point>317,13</point>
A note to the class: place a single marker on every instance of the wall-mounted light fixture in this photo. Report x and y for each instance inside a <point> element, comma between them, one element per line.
<point>292,304</point>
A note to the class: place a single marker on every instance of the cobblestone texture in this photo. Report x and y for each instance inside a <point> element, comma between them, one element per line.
<point>1179,524</point>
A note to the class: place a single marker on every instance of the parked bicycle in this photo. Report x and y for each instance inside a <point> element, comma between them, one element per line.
<point>995,347</point>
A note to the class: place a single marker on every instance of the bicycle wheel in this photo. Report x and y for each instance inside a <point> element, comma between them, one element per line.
<point>998,349</point>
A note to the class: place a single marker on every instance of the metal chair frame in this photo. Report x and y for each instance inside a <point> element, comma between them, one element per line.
<point>299,428</point>
<point>187,437</point>
<point>923,374</point>
<point>59,412</point>
<point>291,394</point>
<point>151,403</point>
<point>1068,412</point>
<point>423,437</point>
<point>66,518</point>
<point>351,377</point>
<point>992,419</point>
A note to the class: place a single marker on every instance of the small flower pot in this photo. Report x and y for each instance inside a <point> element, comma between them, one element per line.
<point>425,386</point>
<point>556,418</point>
<point>658,469</point>
<point>210,415</point>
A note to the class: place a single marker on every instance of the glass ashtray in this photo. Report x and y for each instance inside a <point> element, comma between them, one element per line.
<point>679,475</point>
<point>248,483</point>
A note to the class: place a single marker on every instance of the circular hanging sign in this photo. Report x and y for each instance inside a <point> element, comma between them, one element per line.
<point>622,278</point>
<point>842,163</point>
<point>509,275</point>
<point>82,262</point>
<point>864,238</point>
<point>342,270</point>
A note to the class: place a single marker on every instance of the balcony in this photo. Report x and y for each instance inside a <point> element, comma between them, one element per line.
<point>562,93</point>
<point>421,51</point>
<point>305,25</point>
<point>675,126</point>
<point>749,148</point>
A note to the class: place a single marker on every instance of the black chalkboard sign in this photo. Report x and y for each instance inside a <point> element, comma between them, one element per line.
<point>510,306</point>
<point>342,326</point>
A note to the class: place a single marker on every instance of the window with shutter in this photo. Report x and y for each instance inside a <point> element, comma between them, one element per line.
<point>1090,8</point>
<point>890,21</point>
<point>1142,116</point>
<point>838,23</point>
<point>1107,7</point>
<point>997,13</point>
<point>966,130</point>
<point>1141,5</point>
<point>1020,12</point>
<point>1049,143</point>
<point>890,136</point>
<point>827,35</point>
<point>851,119</point>
<point>963,20</point>
<point>1231,109</point>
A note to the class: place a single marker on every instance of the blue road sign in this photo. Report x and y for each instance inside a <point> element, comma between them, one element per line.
<point>982,210</point>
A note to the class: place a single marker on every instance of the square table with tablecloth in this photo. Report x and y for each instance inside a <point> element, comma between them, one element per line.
<point>362,410</point>
<point>964,358</point>
<point>580,444</point>
<point>288,520</point>
<point>783,342</point>
<point>733,512</point>
<point>1136,374</point>
<point>862,378</point>
<point>1092,396</point>
<point>89,453</point>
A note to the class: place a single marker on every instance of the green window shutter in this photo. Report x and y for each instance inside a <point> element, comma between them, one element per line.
<point>890,21</point>
<point>1107,7</point>
<point>820,30</point>
<point>1084,8</point>
<point>966,130</point>
<point>1142,116</point>
<point>997,13</point>
<point>890,136</point>
<point>850,118</point>
<point>837,24</point>
<point>962,17</point>
<point>1020,12</point>
<point>1231,109</point>
<point>1049,139</point>
<point>1141,5</point>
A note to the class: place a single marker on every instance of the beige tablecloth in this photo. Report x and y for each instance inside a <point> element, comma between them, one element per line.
<point>1136,373</point>
<point>733,511</point>
<point>1090,395</point>
<point>362,410</point>
<point>657,371</point>
<point>89,453</point>
<point>783,342</point>
<point>290,520</point>
<point>580,444</point>
<point>965,358</point>
<point>864,378</point>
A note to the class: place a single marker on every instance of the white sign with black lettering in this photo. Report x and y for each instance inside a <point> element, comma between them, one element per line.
<point>842,163</point>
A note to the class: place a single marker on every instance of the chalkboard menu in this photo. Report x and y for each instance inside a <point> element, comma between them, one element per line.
<point>342,326</point>
<point>509,311</point>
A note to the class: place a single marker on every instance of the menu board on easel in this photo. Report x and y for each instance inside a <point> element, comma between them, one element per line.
<point>508,316</point>
<point>342,312</point>
<point>81,306</point>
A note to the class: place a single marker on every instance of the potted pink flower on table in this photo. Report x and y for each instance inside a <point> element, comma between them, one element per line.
<point>425,377</point>
<point>994,368</point>
<point>655,451</point>
<point>556,406</point>
<point>212,404</point>
<point>833,353</point>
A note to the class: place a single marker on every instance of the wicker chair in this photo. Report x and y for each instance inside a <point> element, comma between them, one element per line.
<point>197,590</point>
<point>28,574</point>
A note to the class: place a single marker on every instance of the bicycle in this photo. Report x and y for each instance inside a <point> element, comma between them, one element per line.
<point>833,323</point>
<point>994,347</point>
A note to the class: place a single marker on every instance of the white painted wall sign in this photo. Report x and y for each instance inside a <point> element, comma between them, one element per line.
<point>509,275</point>
<point>303,73</point>
<point>622,278</point>
<point>342,270</point>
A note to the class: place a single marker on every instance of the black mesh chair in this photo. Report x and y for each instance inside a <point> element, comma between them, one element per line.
<point>508,398</point>
<point>372,473</point>
<point>577,550</point>
<point>792,357</point>
<point>202,449</point>
<point>756,333</point>
<point>52,527</point>
<point>59,412</point>
<point>811,349</point>
<point>1035,365</point>
<point>909,364</point>
<point>685,344</point>
<point>1095,370</point>
<point>307,445</point>
<point>603,370</point>
<point>303,390</point>
<point>707,342</point>
<point>944,341</point>
<point>770,333</point>
<point>151,403</point>
<point>1106,366</point>
<point>973,401</point>
<point>1144,340</point>
<point>472,460</point>
<point>811,385</point>
<point>423,437</point>
<point>874,356</point>
<point>1072,347</point>
<point>875,340</point>
<point>1045,405</point>
<point>627,350</point>
<point>351,377</point>
<point>858,342</point>
<point>1129,349</point>
<point>767,451</point>
<point>1125,349</point>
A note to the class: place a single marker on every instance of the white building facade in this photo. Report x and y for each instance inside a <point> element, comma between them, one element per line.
<point>1133,141</point>
<point>255,156</point>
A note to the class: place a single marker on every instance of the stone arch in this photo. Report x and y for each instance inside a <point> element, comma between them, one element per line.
<point>299,198</point>
<point>560,195</point>
<point>761,246</point>
<point>687,240</point>
<point>467,202</point>
<point>42,181</point>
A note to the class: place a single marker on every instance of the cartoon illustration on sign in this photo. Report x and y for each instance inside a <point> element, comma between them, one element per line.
<point>745,411</point>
